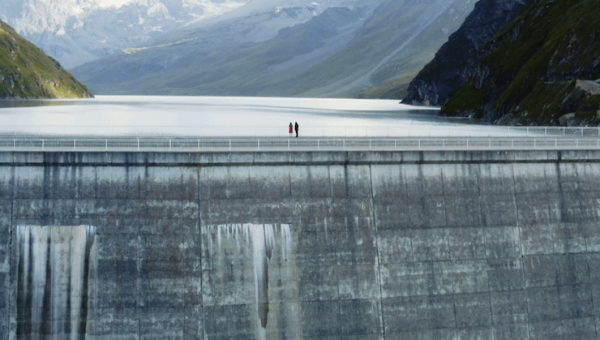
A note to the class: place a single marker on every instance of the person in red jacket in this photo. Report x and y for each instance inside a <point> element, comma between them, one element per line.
<point>291,129</point>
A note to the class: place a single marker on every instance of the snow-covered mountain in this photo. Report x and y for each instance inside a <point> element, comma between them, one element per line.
<point>78,31</point>
<point>359,48</point>
<point>240,47</point>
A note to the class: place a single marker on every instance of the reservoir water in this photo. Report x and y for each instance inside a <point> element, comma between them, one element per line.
<point>226,116</point>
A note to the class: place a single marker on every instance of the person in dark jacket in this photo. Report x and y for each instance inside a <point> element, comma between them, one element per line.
<point>296,126</point>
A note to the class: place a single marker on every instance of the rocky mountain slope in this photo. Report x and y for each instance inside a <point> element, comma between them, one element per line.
<point>377,45</point>
<point>538,69</point>
<point>26,72</point>
<point>447,71</point>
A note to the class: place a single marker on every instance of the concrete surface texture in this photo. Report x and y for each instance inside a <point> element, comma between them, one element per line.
<point>331,245</point>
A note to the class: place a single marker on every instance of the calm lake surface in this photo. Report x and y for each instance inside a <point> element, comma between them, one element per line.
<point>226,117</point>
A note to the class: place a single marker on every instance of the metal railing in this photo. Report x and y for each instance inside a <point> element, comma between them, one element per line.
<point>399,131</point>
<point>291,144</point>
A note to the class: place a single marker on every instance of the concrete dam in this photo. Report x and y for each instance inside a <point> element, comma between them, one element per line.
<point>300,245</point>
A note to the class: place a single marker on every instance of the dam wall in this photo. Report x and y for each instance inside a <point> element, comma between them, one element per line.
<point>303,245</point>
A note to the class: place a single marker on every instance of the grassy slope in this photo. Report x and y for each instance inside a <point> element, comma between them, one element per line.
<point>553,41</point>
<point>28,73</point>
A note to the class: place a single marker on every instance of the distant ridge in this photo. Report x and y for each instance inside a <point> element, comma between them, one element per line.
<point>367,50</point>
<point>27,72</point>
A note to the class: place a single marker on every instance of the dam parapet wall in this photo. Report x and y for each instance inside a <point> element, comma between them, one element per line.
<point>314,245</point>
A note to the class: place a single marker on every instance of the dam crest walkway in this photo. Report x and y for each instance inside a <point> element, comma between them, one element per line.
<point>200,145</point>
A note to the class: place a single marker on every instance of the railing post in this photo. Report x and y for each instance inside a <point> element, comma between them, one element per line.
<point>499,144</point>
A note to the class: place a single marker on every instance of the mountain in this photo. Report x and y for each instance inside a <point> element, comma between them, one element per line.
<point>79,31</point>
<point>540,68</point>
<point>447,71</point>
<point>334,51</point>
<point>224,58</point>
<point>398,40</point>
<point>26,72</point>
<point>386,50</point>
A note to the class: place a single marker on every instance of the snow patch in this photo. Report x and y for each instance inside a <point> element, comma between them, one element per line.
<point>158,10</point>
<point>77,25</point>
<point>113,3</point>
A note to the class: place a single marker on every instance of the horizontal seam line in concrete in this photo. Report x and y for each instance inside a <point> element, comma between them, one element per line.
<point>220,164</point>
<point>335,158</point>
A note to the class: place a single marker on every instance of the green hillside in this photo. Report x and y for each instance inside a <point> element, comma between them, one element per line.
<point>528,73</point>
<point>26,72</point>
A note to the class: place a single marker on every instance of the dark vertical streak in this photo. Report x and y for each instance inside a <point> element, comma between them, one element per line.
<point>66,314</point>
<point>85,290</point>
<point>263,304</point>
<point>11,245</point>
<point>47,315</point>
<point>24,297</point>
